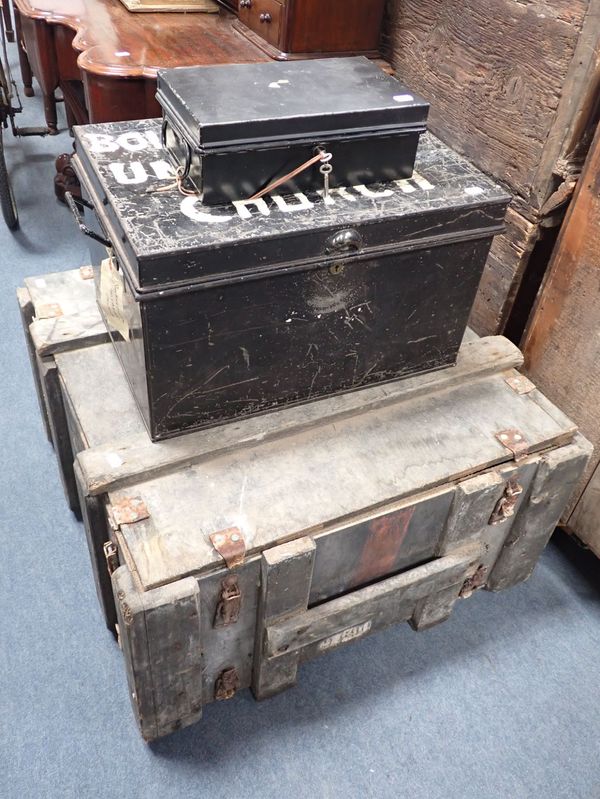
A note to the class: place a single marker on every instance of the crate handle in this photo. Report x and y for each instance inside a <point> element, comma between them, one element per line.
<point>74,206</point>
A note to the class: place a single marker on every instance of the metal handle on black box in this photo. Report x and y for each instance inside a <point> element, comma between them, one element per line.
<point>345,241</point>
<point>73,205</point>
<point>188,150</point>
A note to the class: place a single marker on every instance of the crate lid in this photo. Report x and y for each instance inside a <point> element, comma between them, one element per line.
<point>300,470</point>
<point>246,105</point>
<point>168,242</point>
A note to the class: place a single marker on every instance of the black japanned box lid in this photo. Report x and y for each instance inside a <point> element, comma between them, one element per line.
<point>249,105</point>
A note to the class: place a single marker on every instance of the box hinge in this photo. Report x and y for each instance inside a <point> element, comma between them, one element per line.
<point>505,507</point>
<point>230,602</point>
<point>111,553</point>
<point>129,510</point>
<point>514,441</point>
<point>230,545</point>
<point>228,682</point>
<point>520,384</point>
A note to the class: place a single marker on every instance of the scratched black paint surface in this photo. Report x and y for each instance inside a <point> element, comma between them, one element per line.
<point>250,313</point>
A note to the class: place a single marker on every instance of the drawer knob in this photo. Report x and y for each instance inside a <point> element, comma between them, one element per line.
<point>266,17</point>
<point>245,3</point>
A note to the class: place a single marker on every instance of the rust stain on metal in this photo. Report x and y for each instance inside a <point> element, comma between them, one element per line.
<point>228,682</point>
<point>230,545</point>
<point>230,602</point>
<point>520,384</point>
<point>86,272</point>
<point>48,311</point>
<point>505,507</point>
<point>129,510</point>
<point>474,582</point>
<point>514,441</point>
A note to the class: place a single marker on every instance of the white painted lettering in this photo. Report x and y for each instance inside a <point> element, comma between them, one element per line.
<point>137,172</point>
<point>342,191</point>
<point>133,141</point>
<point>303,204</point>
<point>405,186</point>
<point>153,139</point>
<point>189,207</point>
<point>162,169</point>
<point>241,206</point>
<point>365,192</point>
<point>101,142</point>
<point>421,182</point>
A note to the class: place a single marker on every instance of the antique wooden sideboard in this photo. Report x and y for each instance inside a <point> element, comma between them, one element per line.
<point>105,58</point>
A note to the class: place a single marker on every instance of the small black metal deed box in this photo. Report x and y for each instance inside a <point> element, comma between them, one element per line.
<point>221,313</point>
<point>235,129</point>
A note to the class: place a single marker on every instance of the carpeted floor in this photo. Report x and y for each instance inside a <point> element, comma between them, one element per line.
<point>501,701</point>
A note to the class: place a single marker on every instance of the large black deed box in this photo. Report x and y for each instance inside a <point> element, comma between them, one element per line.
<point>235,129</point>
<point>222,313</point>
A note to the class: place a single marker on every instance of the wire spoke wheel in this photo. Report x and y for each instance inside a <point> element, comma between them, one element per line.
<point>7,200</point>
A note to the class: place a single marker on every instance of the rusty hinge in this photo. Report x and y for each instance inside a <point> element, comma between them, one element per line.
<point>228,682</point>
<point>520,384</point>
<point>49,311</point>
<point>230,602</point>
<point>111,553</point>
<point>474,582</point>
<point>86,272</point>
<point>514,441</point>
<point>129,510</point>
<point>230,545</point>
<point>505,507</point>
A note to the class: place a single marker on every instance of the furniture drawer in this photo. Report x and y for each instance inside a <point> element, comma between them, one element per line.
<point>263,17</point>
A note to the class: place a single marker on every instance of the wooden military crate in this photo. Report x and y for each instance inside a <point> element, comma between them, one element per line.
<point>227,557</point>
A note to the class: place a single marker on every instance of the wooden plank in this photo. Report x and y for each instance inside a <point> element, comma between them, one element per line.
<point>504,270</point>
<point>383,603</point>
<point>119,460</point>
<point>71,296</point>
<point>494,72</point>
<point>283,489</point>
<point>584,521</point>
<point>555,479</point>
<point>27,311</point>
<point>160,634</point>
<point>286,575</point>
<point>561,349</point>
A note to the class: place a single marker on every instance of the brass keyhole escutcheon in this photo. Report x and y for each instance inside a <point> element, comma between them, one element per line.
<point>336,269</point>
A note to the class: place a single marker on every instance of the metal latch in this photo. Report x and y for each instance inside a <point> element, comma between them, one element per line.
<point>230,602</point>
<point>228,682</point>
<point>514,441</point>
<point>111,553</point>
<point>505,507</point>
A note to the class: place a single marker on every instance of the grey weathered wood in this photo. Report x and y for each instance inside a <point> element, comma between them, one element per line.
<point>59,432</point>
<point>282,489</point>
<point>97,532</point>
<point>555,479</point>
<point>160,633</point>
<point>386,602</point>
<point>79,323</point>
<point>138,456</point>
<point>286,575</point>
<point>27,312</point>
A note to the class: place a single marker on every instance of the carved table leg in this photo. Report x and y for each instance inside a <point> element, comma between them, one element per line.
<point>26,74</point>
<point>50,113</point>
<point>8,28</point>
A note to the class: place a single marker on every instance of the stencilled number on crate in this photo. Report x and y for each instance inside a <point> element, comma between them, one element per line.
<point>346,635</point>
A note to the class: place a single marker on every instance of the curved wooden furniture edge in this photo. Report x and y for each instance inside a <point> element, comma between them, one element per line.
<point>126,66</point>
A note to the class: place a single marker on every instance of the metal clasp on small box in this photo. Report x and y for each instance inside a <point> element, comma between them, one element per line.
<point>505,507</point>
<point>111,553</point>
